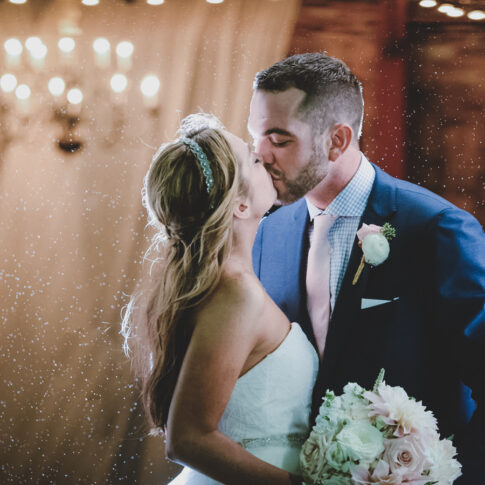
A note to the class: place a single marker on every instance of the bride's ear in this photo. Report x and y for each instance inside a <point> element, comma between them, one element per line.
<point>241,210</point>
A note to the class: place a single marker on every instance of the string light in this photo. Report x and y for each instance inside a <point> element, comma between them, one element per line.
<point>18,2</point>
<point>155,2</point>
<point>214,1</point>
<point>90,3</point>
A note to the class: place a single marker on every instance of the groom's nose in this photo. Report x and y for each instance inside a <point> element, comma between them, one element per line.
<point>263,148</point>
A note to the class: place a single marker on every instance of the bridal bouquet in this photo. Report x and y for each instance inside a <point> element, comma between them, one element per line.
<point>383,437</point>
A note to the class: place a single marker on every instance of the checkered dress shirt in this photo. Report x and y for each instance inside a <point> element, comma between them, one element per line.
<point>348,206</point>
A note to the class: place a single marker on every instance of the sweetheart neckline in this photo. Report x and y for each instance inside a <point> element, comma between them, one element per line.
<point>273,352</point>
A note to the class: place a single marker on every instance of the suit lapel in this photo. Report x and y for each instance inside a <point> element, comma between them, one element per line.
<point>297,249</point>
<point>284,263</point>
<point>345,316</point>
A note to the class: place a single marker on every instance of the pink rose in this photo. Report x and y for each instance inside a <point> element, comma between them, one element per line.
<point>383,475</point>
<point>367,229</point>
<point>406,456</point>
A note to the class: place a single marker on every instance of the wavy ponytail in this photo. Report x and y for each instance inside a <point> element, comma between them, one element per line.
<point>193,238</point>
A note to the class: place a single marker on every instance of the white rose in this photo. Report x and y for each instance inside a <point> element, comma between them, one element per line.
<point>312,457</point>
<point>444,469</point>
<point>376,248</point>
<point>338,480</point>
<point>337,457</point>
<point>361,441</point>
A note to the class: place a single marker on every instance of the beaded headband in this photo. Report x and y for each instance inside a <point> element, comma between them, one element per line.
<point>202,158</point>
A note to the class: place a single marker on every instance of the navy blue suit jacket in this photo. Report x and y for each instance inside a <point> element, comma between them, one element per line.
<point>430,338</point>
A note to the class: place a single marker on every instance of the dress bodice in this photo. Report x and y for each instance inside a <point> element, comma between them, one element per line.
<point>268,412</point>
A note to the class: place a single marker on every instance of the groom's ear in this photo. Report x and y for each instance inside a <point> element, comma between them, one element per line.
<point>340,139</point>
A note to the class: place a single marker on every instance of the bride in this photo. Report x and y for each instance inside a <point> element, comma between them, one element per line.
<point>225,376</point>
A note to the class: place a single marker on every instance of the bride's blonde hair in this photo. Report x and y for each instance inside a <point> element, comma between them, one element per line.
<point>193,238</point>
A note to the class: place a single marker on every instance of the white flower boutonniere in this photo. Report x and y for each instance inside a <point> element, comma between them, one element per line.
<point>374,241</point>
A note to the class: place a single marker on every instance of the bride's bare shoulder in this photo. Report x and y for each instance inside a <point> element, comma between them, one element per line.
<point>237,296</point>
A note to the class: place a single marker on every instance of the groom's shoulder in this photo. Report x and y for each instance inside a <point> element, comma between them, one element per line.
<point>413,197</point>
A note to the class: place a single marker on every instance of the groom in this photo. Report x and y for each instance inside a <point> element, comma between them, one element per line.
<point>420,313</point>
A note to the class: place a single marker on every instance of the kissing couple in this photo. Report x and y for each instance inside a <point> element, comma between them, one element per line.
<point>246,320</point>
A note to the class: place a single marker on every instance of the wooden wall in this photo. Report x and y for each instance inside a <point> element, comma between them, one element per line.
<point>424,88</point>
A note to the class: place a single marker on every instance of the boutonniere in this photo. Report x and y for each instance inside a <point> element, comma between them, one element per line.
<point>374,241</point>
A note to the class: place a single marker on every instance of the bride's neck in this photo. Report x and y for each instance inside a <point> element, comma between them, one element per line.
<point>242,245</point>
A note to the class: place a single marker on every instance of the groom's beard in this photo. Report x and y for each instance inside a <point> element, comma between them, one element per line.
<point>307,179</point>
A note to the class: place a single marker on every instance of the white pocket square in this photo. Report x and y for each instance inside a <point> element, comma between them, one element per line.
<point>369,302</point>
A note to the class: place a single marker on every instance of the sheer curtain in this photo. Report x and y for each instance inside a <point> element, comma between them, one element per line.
<point>72,229</point>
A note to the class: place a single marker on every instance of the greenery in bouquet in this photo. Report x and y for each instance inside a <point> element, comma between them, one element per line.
<point>381,436</point>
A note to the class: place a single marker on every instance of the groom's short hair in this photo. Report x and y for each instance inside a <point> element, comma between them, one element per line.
<point>333,94</point>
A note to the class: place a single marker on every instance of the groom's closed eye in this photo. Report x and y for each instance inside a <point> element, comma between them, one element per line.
<point>279,141</point>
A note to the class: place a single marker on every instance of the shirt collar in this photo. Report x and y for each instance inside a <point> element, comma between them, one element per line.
<point>352,200</point>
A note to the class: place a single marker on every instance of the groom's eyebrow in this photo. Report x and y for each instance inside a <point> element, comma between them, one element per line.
<point>277,131</point>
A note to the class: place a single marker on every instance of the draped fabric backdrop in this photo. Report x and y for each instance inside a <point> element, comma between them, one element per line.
<point>72,227</point>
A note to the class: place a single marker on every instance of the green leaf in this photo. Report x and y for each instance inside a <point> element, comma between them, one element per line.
<point>388,231</point>
<point>379,380</point>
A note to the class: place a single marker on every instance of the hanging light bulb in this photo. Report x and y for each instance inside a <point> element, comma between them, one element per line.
<point>56,86</point>
<point>32,42</point>
<point>150,85</point>
<point>39,51</point>
<point>428,3</point>
<point>22,92</point>
<point>13,47</point>
<point>66,44</point>
<point>8,83</point>
<point>445,7</point>
<point>125,49</point>
<point>75,96</point>
<point>455,12</point>
<point>476,15</point>
<point>118,83</point>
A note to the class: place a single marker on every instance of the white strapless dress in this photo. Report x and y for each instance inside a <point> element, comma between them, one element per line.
<point>268,412</point>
